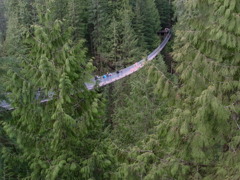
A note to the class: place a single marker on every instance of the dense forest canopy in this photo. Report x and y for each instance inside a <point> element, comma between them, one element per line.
<point>176,118</point>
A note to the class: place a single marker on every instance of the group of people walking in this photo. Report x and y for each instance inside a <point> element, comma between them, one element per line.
<point>104,76</point>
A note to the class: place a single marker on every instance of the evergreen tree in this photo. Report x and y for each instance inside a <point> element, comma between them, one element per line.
<point>146,23</point>
<point>113,37</point>
<point>98,23</point>
<point>136,108</point>
<point>2,36</point>
<point>77,17</point>
<point>2,23</point>
<point>151,24</point>
<point>128,48</point>
<point>135,135</point>
<point>59,9</point>
<point>57,139</point>
<point>209,72</point>
<point>181,126</point>
<point>199,137</point>
<point>165,12</point>
<point>122,48</point>
<point>20,16</point>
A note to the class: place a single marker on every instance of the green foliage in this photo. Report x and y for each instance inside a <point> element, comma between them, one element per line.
<point>5,64</point>
<point>198,136</point>
<point>77,18</point>
<point>136,109</point>
<point>113,38</point>
<point>158,125</point>
<point>118,27</point>
<point>146,23</point>
<point>195,139</point>
<point>165,10</point>
<point>2,23</point>
<point>20,15</point>
<point>55,137</point>
<point>122,47</point>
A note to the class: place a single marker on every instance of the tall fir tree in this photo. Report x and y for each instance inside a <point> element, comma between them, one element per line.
<point>98,21</point>
<point>57,139</point>
<point>146,23</point>
<point>2,37</point>
<point>137,108</point>
<point>77,17</point>
<point>113,37</point>
<point>122,48</point>
<point>20,16</point>
<point>199,137</point>
<point>208,58</point>
<point>2,23</point>
<point>165,10</point>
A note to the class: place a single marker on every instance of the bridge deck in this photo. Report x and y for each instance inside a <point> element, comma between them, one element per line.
<point>114,77</point>
<point>128,70</point>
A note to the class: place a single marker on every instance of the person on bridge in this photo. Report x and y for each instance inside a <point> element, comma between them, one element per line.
<point>167,30</point>
<point>104,76</point>
<point>97,77</point>
<point>109,74</point>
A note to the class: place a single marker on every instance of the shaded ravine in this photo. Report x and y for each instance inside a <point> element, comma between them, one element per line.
<point>114,76</point>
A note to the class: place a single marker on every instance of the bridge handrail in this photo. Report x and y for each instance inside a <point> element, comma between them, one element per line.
<point>114,77</point>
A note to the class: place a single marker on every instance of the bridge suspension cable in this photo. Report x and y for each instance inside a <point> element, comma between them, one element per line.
<point>108,79</point>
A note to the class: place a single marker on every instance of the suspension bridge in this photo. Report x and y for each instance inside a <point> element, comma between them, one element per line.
<point>105,80</point>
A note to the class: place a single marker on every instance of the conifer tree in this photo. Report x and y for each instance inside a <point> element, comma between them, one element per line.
<point>2,37</point>
<point>151,24</point>
<point>20,16</point>
<point>146,23</point>
<point>199,137</point>
<point>123,45</point>
<point>113,37</point>
<point>138,23</point>
<point>97,24</point>
<point>77,17</point>
<point>136,108</point>
<point>129,50</point>
<point>165,12</point>
<point>58,138</point>
<point>2,23</point>
<point>60,9</point>
<point>208,58</point>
